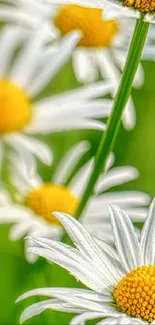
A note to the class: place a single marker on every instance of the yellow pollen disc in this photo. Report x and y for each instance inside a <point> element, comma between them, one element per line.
<point>96,32</point>
<point>135,293</point>
<point>49,198</point>
<point>15,108</point>
<point>143,5</point>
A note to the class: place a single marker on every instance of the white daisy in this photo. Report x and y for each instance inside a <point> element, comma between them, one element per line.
<point>23,78</point>
<point>103,46</point>
<point>121,280</point>
<point>38,200</point>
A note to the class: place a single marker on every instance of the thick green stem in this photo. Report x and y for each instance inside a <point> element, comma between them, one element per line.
<point>123,93</point>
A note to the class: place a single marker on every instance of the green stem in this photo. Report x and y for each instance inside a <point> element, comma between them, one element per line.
<point>123,93</point>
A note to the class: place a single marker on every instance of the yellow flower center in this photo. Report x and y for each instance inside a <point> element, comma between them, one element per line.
<point>96,32</point>
<point>143,5</point>
<point>15,108</point>
<point>49,198</point>
<point>135,293</point>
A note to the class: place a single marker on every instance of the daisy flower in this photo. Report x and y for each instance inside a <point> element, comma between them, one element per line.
<point>37,200</point>
<point>102,49</point>
<point>121,280</point>
<point>103,46</point>
<point>22,79</point>
<point>99,50</point>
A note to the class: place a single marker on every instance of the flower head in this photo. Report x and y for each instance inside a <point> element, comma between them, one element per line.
<point>102,48</point>
<point>121,280</point>
<point>96,33</point>
<point>33,215</point>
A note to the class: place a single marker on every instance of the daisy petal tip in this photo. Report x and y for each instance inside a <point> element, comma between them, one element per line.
<point>22,319</point>
<point>135,172</point>
<point>153,202</point>
<point>152,206</point>
<point>86,145</point>
<point>18,299</point>
<point>31,250</point>
<point>27,237</point>
<point>113,208</point>
<point>60,215</point>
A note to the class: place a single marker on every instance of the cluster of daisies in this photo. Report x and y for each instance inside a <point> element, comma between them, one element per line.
<point>111,256</point>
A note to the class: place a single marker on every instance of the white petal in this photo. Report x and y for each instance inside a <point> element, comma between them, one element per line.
<point>18,231</point>
<point>148,237</point>
<point>22,163</point>
<point>77,265</point>
<point>115,10</point>
<point>129,116</point>
<point>14,213</point>
<point>93,90</point>
<point>51,109</point>
<point>87,3</point>
<point>124,199</point>
<point>108,69</point>
<point>69,160</point>
<point>87,245</point>
<point>110,161</point>
<point>139,78</point>
<point>27,61</point>
<point>39,307</point>
<point>80,180</point>
<point>64,51</point>
<point>126,240</point>
<point>81,319</point>
<point>38,148</point>
<point>116,176</point>
<point>66,122</point>
<point>59,292</point>
<point>17,16</point>
<point>84,66</point>
<point>10,37</point>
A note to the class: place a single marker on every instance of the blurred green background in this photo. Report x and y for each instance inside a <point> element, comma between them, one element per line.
<point>132,148</point>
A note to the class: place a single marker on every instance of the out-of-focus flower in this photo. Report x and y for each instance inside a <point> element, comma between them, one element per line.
<point>102,48</point>
<point>22,79</point>
<point>104,42</point>
<point>29,13</point>
<point>38,200</point>
<point>121,280</point>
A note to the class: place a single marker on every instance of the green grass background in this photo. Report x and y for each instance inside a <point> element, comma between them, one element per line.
<point>135,148</point>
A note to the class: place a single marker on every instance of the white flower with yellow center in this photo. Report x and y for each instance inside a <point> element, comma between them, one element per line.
<point>33,215</point>
<point>104,43</point>
<point>102,48</point>
<point>22,79</point>
<point>121,280</point>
